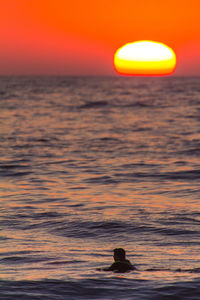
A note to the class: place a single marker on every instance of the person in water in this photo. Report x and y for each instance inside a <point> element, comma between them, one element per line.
<point>121,264</point>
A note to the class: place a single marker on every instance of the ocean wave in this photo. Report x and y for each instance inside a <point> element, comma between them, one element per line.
<point>108,288</point>
<point>22,259</point>
<point>95,104</point>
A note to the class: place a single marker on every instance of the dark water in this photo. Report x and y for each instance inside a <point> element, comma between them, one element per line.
<point>93,163</point>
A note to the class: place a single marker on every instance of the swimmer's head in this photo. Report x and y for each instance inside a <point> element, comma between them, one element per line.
<point>119,254</point>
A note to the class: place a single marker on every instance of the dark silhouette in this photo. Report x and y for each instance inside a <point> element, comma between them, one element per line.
<point>121,264</point>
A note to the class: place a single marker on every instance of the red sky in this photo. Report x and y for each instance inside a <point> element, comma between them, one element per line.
<point>81,36</point>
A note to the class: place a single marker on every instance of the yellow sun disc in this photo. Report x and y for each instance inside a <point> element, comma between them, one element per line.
<point>145,58</point>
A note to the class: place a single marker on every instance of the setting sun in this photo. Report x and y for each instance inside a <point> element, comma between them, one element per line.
<point>145,58</point>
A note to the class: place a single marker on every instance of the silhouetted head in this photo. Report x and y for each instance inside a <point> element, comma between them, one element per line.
<point>119,254</point>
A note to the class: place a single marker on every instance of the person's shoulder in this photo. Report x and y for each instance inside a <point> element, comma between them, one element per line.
<point>111,268</point>
<point>120,266</point>
<point>129,264</point>
<point>114,265</point>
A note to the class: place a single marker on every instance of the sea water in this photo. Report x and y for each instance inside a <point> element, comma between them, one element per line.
<point>88,164</point>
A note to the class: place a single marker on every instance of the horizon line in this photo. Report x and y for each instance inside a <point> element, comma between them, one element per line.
<point>97,75</point>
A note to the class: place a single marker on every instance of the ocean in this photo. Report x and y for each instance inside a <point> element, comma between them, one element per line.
<point>88,164</point>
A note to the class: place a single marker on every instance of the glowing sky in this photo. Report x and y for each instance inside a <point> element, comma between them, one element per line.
<point>81,37</point>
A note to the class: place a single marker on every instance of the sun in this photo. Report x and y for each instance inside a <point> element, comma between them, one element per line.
<point>145,58</point>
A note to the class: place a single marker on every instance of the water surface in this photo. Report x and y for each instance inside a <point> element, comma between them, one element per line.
<point>93,163</point>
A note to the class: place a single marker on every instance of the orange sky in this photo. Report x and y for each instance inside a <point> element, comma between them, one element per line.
<point>81,37</point>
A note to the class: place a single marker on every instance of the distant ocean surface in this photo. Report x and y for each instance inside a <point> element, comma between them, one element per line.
<point>88,164</point>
